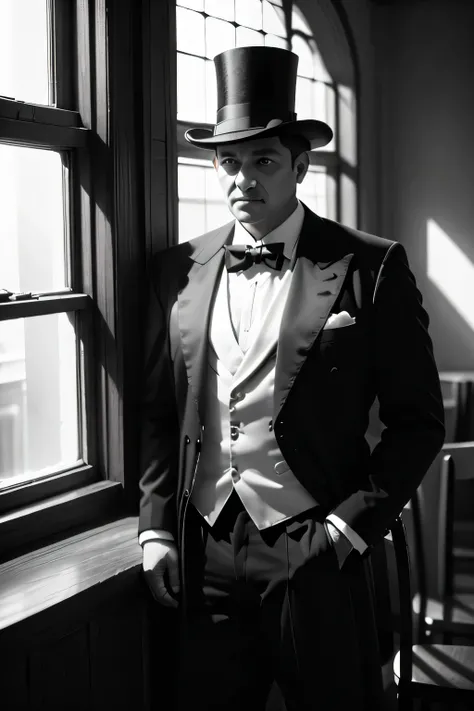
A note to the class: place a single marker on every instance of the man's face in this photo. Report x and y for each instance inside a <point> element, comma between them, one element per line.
<point>265,164</point>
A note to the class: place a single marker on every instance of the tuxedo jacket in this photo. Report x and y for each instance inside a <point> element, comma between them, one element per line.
<point>325,380</point>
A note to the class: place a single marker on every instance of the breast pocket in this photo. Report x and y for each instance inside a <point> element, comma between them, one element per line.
<point>344,350</point>
<point>338,335</point>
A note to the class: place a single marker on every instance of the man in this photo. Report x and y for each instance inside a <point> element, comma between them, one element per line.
<point>267,342</point>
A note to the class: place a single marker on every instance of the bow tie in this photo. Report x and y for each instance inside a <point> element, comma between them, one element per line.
<point>239,257</point>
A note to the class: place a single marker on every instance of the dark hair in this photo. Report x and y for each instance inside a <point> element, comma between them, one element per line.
<point>295,143</point>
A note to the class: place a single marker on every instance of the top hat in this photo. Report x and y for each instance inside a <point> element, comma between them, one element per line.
<point>256,97</point>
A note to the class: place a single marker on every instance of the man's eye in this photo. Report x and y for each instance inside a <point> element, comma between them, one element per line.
<point>227,161</point>
<point>268,161</point>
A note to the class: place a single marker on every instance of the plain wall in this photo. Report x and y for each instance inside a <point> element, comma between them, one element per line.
<point>424,61</point>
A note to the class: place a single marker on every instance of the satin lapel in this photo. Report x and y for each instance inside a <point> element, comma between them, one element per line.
<point>312,294</point>
<point>194,308</point>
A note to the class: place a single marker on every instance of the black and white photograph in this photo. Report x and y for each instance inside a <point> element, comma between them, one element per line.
<point>236,355</point>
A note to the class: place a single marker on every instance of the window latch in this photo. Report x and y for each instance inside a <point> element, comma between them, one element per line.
<point>6,295</point>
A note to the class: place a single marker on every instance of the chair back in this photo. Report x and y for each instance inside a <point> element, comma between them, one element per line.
<point>455,508</point>
<point>458,396</point>
<point>401,594</point>
<point>413,523</point>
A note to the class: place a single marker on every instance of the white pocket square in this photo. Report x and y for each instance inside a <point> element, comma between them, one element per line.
<point>339,320</point>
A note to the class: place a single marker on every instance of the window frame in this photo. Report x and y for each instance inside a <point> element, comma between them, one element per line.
<point>332,161</point>
<point>25,124</point>
<point>99,124</point>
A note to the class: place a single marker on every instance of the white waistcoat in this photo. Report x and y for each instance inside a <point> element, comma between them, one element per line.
<point>239,447</point>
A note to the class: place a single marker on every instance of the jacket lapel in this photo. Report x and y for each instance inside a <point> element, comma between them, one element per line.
<point>320,269</point>
<point>319,274</point>
<point>195,305</point>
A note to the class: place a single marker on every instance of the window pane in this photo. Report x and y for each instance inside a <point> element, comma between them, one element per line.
<point>313,191</point>
<point>304,100</point>
<point>217,214</point>
<point>191,88</point>
<point>273,20</point>
<point>305,64</point>
<point>249,13</point>
<point>197,179</point>
<point>347,121</point>
<point>348,201</point>
<point>24,50</point>
<point>248,38</point>
<point>220,36</point>
<point>190,32</point>
<point>211,93</point>
<point>32,229</point>
<point>213,188</point>
<point>272,41</point>
<point>192,220</point>
<point>191,182</point>
<point>299,23</point>
<point>220,8</point>
<point>193,4</point>
<point>39,413</point>
<point>324,103</point>
<point>320,71</point>
<point>319,92</point>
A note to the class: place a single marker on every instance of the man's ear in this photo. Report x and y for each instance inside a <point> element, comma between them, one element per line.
<point>215,162</point>
<point>301,166</point>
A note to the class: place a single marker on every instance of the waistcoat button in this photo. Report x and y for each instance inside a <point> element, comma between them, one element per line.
<point>234,432</point>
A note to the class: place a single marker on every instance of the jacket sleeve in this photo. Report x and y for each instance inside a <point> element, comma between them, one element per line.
<point>159,427</point>
<point>411,405</point>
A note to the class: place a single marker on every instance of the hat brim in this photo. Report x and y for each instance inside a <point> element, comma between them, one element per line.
<point>316,132</point>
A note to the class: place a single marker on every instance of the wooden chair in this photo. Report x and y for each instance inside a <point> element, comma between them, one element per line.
<point>446,610</point>
<point>451,412</point>
<point>456,529</point>
<point>458,395</point>
<point>430,672</point>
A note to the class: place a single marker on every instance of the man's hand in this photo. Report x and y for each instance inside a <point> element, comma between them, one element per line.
<point>339,542</point>
<point>160,567</point>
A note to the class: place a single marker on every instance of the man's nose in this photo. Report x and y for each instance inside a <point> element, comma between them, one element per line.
<point>244,181</point>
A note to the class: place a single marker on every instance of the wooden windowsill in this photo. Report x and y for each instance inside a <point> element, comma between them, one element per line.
<point>59,516</point>
<point>45,578</point>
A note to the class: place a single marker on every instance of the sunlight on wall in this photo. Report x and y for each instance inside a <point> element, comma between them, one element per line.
<point>451,271</point>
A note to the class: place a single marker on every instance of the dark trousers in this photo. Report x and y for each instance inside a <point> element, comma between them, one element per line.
<point>273,605</point>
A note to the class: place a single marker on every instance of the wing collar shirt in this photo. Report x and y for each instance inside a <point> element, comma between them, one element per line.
<point>250,292</point>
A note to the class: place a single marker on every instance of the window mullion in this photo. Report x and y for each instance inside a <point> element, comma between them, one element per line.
<point>23,111</point>
<point>43,305</point>
<point>42,135</point>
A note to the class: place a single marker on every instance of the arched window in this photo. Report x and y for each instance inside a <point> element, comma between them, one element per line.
<point>206,28</point>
